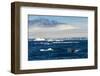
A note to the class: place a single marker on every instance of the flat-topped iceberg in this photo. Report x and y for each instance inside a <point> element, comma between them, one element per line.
<point>39,39</point>
<point>49,49</point>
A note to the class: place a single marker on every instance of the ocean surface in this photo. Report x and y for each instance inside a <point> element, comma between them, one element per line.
<point>57,49</point>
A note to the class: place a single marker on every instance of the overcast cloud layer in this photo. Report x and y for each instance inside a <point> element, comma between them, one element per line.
<point>57,26</point>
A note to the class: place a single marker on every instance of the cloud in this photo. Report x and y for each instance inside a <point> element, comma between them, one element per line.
<point>67,27</point>
<point>59,31</point>
<point>57,27</point>
<point>60,27</point>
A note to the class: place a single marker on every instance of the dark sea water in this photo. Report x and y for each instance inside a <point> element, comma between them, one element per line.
<point>53,50</point>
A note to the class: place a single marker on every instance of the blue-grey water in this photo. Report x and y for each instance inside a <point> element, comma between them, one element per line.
<point>52,50</point>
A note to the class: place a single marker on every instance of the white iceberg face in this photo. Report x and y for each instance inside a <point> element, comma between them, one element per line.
<point>49,49</point>
<point>77,50</point>
<point>39,39</point>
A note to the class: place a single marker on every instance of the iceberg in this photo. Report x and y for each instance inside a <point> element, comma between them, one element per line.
<point>77,50</point>
<point>39,39</point>
<point>49,49</point>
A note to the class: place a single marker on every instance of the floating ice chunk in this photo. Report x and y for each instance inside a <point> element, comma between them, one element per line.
<point>42,49</point>
<point>39,39</point>
<point>50,49</point>
<point>77,50</point>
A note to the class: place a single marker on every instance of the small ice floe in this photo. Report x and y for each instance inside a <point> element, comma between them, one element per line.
<point>42,49</point>
<point>77,50</point>
<point>49,49</point>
